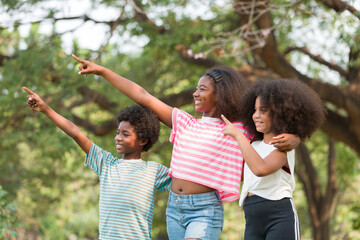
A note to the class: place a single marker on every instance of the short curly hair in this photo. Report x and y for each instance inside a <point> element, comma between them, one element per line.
<point>144,121</point>
<point>228,91</point>
<point>294,107</point>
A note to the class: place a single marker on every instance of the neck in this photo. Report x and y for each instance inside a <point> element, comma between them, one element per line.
<point>212,114</point>
<point>268,137</point>
<point>131,156</point>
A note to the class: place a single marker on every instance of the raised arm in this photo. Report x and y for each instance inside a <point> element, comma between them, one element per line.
<point>130,89</point>
<point>258,165</point>
<point>37,104</point>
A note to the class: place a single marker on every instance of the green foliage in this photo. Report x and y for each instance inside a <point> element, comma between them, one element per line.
<point>355,208</point>
<point>9,221</point>
<point>345,214</point>
<point>42,169</point>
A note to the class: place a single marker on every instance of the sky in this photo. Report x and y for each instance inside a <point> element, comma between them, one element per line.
<point>90,35</point>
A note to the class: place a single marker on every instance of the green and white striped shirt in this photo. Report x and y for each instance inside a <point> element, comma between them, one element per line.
<point>127,189</point>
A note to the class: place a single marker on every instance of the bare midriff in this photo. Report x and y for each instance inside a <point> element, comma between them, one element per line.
<point>184,187</point>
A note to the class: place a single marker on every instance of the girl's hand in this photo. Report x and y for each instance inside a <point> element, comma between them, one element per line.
<point>34,101</point>
<point>87,67</point>
<point>285,142</point>
<point>229,129</point>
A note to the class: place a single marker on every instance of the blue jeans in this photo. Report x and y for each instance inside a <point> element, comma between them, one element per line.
<point>194,216</point>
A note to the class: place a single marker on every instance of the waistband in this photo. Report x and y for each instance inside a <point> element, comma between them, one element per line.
<point>252,199</point>
<point>209,196</point>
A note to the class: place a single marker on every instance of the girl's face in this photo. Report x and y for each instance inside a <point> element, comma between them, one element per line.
<point>205,97</point>
<point>261,118</point>
<point>127,142</point>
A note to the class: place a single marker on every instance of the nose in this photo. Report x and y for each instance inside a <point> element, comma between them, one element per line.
<point>196,93</point>
<point>117,137</point>
<point>256,114</point>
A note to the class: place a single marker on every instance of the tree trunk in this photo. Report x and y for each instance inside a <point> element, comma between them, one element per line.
<point>322,231</point>
<point>320,204</point>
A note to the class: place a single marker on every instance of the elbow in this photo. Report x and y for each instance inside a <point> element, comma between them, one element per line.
<point>77,136</point>
<point>143,97</point>
<point>75,133</point>
<point>260,172</point>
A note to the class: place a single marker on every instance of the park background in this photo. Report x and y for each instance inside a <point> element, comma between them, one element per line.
<point>46,192</point>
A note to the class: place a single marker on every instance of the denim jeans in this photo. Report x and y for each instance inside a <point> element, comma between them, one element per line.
<point>194,216</point>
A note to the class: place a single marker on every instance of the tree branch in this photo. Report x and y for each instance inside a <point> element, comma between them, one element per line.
<point>343,131</point>
<point>307,176</point>
<point>340,6</point>
<point>94,96</point>
<point>100,129</point>
<point>141,16</point>
<point>331,188</point>
<point>311,172</point>
<point>318,59</point>
<point>84,17</point>
<point>354,65</point>
<point>343,97</point>
<point>3,58</point>
<point>187,55</point>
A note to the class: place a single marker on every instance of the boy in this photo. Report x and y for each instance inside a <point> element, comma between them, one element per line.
<point>127,185</point>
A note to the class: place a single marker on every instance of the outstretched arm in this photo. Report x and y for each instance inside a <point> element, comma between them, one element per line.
<point>37,104</point>
<point>130,89</point>
<point>258,165</point>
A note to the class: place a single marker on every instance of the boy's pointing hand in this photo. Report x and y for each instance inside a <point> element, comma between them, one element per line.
<point>34,101</point>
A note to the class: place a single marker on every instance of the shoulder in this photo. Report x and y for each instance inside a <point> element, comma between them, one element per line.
<point>263,148</point>
<point>155,164</point>
<point>180,113</point>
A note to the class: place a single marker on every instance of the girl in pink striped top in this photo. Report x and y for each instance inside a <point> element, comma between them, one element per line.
<point>206,166</point>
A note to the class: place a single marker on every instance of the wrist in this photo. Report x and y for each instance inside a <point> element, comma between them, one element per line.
<point>45,109</point>
<point>239,136</point>
<point>102,71</point>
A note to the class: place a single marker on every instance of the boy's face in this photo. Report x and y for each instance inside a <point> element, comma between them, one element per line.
<point>127,142</point>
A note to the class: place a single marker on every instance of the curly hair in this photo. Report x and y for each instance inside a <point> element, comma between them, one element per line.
<point>294,107</point>
<point>229,90</point>
<point>144,121</point>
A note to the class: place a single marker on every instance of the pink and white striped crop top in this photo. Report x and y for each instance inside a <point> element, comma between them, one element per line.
<point>202,154</point>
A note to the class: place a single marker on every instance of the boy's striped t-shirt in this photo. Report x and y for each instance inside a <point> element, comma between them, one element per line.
<point>204,155</point>
<point>127,189</point>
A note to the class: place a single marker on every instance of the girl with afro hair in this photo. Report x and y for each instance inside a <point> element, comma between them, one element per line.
<point>269,107</point>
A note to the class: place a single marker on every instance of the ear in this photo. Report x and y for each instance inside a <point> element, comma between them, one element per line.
<point>144,142</point>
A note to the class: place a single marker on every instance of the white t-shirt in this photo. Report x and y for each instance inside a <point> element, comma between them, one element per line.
<point>274,186</point>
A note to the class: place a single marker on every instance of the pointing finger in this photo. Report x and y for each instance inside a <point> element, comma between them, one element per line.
<point>28,90</point>
<point>78,59</point>
<point>227,122</point>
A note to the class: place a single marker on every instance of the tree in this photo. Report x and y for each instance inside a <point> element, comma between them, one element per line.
<point>316,42</point>
<point>8,218</point>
